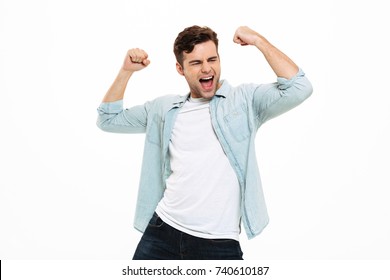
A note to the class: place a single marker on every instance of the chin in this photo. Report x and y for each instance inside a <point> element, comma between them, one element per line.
<point>203,94</point>
<point>208,95</point>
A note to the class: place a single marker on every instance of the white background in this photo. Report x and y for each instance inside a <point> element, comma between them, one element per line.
<point>68,190</point>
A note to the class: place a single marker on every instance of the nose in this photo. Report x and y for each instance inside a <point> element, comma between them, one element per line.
<point>206,67</point>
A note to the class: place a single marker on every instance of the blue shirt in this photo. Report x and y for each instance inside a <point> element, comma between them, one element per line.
<point>236,115</point>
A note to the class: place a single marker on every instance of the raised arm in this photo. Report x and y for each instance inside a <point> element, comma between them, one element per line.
<point>280,63</point>
<point>292,87</point>
<point>135,60</point>
<point>111,116</point>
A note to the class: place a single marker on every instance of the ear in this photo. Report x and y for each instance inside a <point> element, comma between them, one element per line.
<point>179,69</point>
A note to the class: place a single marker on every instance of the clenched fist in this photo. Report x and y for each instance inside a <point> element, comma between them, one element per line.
<point>246,36</point>
<point>135,60</point>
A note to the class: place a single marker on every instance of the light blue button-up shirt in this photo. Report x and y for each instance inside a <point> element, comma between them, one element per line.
<point>236,115</point>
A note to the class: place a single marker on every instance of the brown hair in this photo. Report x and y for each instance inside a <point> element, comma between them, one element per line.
<point>191,36</point>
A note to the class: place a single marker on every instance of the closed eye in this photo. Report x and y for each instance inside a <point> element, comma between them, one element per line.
<point>198,62</point>
<point>195,62</point>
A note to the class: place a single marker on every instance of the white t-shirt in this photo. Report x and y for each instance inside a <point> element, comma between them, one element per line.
<point>202,195</point>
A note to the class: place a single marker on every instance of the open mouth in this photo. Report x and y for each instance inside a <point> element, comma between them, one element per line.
<point>207,82</point>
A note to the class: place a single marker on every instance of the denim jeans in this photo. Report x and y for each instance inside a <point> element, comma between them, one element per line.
<point>160,241</point>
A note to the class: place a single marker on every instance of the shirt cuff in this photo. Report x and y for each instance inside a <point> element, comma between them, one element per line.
<point>284,83</point>
<point>114,107</point>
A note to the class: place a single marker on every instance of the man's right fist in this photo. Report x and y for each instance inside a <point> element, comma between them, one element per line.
<point>135,60</point>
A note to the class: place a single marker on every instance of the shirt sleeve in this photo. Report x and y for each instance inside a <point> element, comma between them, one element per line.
<point>113,118</point>
<point>272,100</point>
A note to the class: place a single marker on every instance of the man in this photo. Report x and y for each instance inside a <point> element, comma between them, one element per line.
<point>200,179</point>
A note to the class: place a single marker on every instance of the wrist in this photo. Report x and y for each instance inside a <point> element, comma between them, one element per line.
<point>124,74</point>
<point>259,41</point>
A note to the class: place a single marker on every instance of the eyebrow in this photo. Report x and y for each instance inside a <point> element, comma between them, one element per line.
<point>199,61</point>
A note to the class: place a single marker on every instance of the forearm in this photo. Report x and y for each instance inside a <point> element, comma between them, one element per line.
<point>118,87</point>
<point>280,63</point>
<point>135,60</point>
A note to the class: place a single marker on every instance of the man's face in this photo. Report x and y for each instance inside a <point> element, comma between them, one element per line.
<point>202,70</point>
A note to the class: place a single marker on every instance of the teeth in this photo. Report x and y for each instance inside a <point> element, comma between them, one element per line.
<point>206,79</point>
